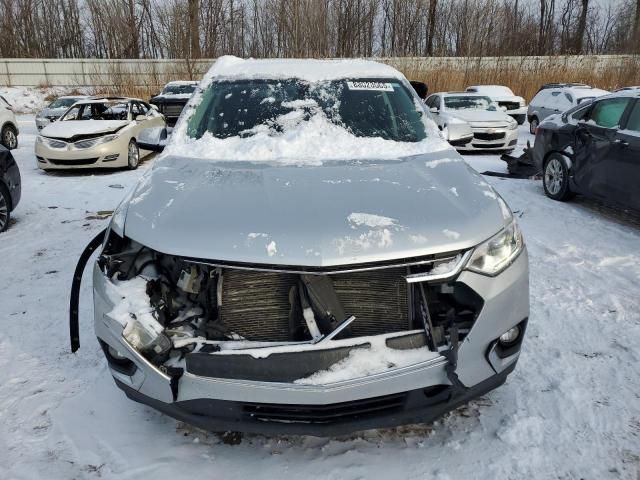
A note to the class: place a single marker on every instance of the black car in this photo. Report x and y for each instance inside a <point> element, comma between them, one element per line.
<point>594,150</point>
<point>173,98</point>
<point>10,187</point>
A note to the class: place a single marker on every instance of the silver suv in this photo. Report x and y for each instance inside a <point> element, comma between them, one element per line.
<point>308,255</point>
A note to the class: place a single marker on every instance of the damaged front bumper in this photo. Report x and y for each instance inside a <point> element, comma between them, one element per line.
<point>251,391</point>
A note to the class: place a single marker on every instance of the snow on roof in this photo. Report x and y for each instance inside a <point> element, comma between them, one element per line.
<point>458,93</point>
<point>181,82</point>
<point>230,67</point>
<point>581,92</point>
<point>492,89</point>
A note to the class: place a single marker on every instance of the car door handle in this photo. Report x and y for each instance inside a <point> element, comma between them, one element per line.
<point>622,143</point>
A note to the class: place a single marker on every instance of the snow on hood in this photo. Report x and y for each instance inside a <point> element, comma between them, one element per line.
<point>480,116</point>
<point>71,128</point>
<point>333,214</point>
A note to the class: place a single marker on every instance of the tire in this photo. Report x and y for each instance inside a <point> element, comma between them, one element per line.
<point>533,124</point>
<point>133,155</point>
<point>5,208</point>
<point>555,178</point>
<point>9,137</point>
<point>520,119</point>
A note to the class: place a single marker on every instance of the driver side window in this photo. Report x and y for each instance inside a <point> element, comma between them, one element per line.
<point>633,124</point>
<point>136,110</point>
<point>607,113</point>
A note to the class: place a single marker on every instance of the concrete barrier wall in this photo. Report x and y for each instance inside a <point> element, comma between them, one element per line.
<point>153,73</point>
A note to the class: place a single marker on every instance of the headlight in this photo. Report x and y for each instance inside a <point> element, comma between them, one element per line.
<point>497,253</point>
<point>106,138</point>
<point>513,125</point>
<point>145,339</point>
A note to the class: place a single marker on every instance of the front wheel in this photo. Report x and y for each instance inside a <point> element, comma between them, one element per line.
<point>533,125</point>
<point>555,179</point>
<point>9,137</point>
<point>133,155</point>
<point>5,213</point>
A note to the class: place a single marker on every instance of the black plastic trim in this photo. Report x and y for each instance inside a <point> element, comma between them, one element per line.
<point>419,406</point>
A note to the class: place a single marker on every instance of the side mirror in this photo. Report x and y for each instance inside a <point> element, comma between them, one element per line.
<point>141,118</point>
<point>504,109</point>
<point>421,88</point>
<point>434,110</point>
<point>154,139</point>
<point>155,107</point>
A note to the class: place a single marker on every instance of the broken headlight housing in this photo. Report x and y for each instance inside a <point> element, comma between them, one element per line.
<point>497,253</point>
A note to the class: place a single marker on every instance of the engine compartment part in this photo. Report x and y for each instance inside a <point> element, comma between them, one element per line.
<point>184,314</point>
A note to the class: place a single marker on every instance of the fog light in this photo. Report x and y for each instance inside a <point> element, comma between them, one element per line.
<point>111,158</point>
<point>510,336</point>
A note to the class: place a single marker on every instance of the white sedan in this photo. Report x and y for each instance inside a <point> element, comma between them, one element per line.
<point>98,132</point>
<point>504,97</point>
<point>492,128</point>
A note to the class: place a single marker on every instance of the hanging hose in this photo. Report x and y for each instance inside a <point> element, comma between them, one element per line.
<point>74,304</point>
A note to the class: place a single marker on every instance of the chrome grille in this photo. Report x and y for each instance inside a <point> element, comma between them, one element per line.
<point>56,143</point>
<point>88,143</point>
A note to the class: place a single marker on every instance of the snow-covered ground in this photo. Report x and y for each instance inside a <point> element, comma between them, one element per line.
<point>571,409</point>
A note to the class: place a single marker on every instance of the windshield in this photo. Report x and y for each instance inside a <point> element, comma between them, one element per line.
<point>365,108</point>
<point>468,102</point>
<point>63,102</point>
<point>179,89</point>
<point>97,111</point>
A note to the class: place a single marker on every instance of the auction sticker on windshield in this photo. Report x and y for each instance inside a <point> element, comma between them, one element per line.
<point>377,86</point>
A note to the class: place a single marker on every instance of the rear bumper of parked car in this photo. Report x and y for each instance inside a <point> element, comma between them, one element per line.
<point>416,393</point>
<point>108,155</point>
<point>491,139</point>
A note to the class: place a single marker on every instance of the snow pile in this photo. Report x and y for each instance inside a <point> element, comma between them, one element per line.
<point>362,362</point>
<point>30,99</point>
<point>131,301</point>
<point>446,266</point>
<point>301,143</point>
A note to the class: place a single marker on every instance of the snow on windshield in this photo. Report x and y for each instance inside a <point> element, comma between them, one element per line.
<point>297,121</point>
<point>467,102</point>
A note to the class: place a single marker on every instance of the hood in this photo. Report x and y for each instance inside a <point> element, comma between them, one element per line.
<point>333,214</point>
<point>72,128</point>
<point>480,116</point>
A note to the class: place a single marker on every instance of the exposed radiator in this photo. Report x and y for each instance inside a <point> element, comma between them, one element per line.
<point>256,304</point>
